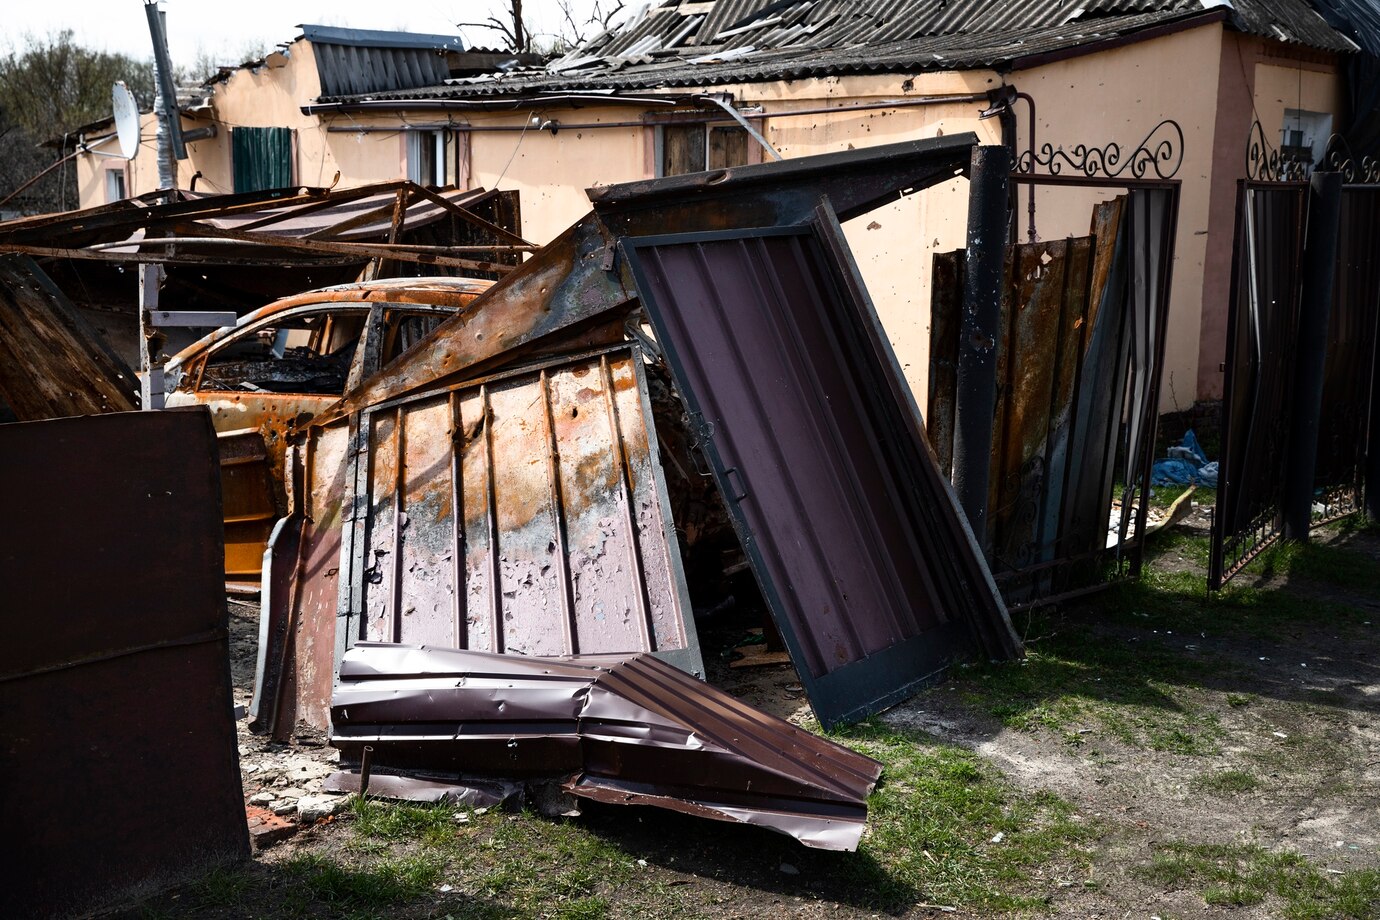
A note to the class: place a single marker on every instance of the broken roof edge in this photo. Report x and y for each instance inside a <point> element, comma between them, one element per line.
<point>901,161</point>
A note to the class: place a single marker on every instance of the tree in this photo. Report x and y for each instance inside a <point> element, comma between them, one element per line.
<point>54,85</point>
<point>48,89</point>
<point>573,30</point>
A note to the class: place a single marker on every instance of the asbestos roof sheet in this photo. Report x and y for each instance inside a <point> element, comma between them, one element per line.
<point>699,44</point>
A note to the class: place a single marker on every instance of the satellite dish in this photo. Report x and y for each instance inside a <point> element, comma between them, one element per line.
<point>126,119</point>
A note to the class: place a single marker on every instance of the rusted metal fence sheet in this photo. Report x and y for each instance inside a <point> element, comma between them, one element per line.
<point>523,513</point>
<point>1077,367</point>
<point>116,678</point>
<point>52,363</point>
<point>869,570</point>
<point>1262,321</point>
<point>1339,475</point>
<point>626,730</point>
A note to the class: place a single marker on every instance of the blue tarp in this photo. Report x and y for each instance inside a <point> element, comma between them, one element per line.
<point>1185,465</point>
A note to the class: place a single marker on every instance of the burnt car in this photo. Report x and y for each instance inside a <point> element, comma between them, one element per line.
<point>279,366</point>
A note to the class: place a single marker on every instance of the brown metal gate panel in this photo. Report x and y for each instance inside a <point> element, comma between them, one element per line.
<point>837,502</point>
<point>1351,340</point>
<point>1262,322</point>
<point>117,743</point>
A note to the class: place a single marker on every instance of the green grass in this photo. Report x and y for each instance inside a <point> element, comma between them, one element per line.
<point>1075,682</point>
<point>933,821</point>
<point>1227,782</point>
<point>1239,875</point>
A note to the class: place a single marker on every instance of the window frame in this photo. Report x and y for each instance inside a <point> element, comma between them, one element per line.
<point>242,332</point>
<point>754,150</point>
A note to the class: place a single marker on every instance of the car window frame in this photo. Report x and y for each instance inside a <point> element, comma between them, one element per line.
<point>362,308</point>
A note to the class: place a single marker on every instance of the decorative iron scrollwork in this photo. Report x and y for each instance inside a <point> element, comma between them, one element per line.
<point>1161,153</point>
<point>1337,157</point>
<point>1266,164</point>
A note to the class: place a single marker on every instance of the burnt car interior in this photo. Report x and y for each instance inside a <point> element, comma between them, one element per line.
<point>301,354</point>
<point>307,354</point>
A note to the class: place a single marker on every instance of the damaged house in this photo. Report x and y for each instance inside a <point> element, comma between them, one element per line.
<point>1184,80</point>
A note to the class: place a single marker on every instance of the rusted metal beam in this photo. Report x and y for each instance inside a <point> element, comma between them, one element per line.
<point>364,250</point>
<point>568,283</point>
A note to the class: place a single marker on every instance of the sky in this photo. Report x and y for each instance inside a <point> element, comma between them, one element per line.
<point>226,29</point>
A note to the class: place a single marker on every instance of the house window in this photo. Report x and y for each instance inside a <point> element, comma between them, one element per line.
<point>1303,136</point>
<point>261,158</point>
<point>115,184</point>
<point>696,147</point>
<point>438,158</point>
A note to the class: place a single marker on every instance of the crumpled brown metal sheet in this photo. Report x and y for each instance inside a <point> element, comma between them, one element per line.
<point>623,729</point>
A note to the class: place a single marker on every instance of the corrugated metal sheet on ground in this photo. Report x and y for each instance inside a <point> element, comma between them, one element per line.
<point>624,730</point>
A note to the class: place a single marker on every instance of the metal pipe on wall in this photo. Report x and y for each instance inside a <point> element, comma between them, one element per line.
<point>985,257</point>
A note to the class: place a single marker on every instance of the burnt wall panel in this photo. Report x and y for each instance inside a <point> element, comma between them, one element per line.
<point>524,515</point>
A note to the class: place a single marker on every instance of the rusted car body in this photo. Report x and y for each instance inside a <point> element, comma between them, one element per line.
<point>280,366</point>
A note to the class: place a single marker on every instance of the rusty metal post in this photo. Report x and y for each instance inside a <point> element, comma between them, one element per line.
<point>1315,309</point>
<point>976,398</point>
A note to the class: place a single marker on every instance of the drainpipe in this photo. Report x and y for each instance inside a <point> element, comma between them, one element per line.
<point>985,258</point>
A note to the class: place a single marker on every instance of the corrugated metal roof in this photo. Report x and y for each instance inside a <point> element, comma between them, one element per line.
<point>351,69</point>
<point>678,44</point>
<point>376,38</point>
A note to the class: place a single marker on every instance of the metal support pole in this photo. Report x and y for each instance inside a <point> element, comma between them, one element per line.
<point>150,339</point>
<point>1315,310</point>
<point>984,265</point>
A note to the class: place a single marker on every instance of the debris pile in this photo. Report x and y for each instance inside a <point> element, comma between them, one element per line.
<point>496,501</point>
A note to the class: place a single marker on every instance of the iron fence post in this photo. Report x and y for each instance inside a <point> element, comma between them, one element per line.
<point>1315,308</point>
<point>976,396</point>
